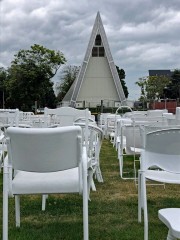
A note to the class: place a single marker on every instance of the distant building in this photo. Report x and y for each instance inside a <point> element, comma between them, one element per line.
<point>169,104</point>
<point>167,73</point>
<point>98,82</point>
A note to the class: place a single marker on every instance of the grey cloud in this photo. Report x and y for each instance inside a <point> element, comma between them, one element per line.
<point>143,34</point>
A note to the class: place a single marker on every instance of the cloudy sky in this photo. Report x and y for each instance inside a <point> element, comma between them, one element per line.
<point>142,34</point>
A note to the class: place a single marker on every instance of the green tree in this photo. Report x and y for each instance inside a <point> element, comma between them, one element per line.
<point>67,77</point>
<point>142,84</point>
<point>173,89</point>
<point>122,76</point>
<point>152,87</point>
<point>3,77</point>
<point>29,77</point>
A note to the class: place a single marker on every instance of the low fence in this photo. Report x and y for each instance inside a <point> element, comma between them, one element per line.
<point>169,105</point>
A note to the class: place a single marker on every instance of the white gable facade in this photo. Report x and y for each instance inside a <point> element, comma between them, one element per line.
<point>98,81</point>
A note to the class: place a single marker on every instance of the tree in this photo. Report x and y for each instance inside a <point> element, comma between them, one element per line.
<point>122,76</point>
<point>172,90</point>
<point>29,77</point>
<point>68,76</point>
<point>142,84</point>
<point>152,87</point>
<point>3,77</point>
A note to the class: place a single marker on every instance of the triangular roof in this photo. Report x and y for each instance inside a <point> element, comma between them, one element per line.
<point>97,29</point>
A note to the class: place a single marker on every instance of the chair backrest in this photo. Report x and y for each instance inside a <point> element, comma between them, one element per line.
<point>94,136</point>
<point>25,116</point>
<point>133,138</point>
<point>66,115</point>
<point>102,118</point>
<point>156,112</point>
<point>44,149</point>
<point>162,149</point>
<point>9,116</point>
<point>120,123</point>
<point>177,113</point>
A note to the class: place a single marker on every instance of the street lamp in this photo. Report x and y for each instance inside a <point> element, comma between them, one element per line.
<point>156,98</point>
<point>3,100</point>
<point>165,91</point>
<point>157,94</point>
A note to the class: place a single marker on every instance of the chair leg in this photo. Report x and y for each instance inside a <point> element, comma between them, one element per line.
<point>90,181</point>
<point>170,236</point>
<point>144,196</point>
<point>139,197</point>
<point>85,204</point>
<point>17,210</point>
<point>135,173</point>
<point>44,197</point>
<point>93,187</point>
<point>121,165</point>
<point>85,215</point>
<point>1,159</point>
<point>5,206</point>
<point>98,174</point>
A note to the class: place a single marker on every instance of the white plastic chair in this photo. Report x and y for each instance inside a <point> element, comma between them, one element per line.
<point>133,142</point>
<point>161,150</point>
<point>118,130</point>
<point>64,116</point>
<point>156,112</point>
<point>45,161</point>
<point>118,122</point>
<point>25,117</point>
<point>9,116</point>
<point>93,145</point>
<point>171,218</point>
<point>110,126</point>
<point>103,122</point>
<point>120,139</point>
<point>131,146</point>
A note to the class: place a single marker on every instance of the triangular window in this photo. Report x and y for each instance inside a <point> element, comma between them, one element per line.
<point>98,40</point>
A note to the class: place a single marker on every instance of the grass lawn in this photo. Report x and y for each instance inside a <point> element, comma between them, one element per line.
<point>112,209</point>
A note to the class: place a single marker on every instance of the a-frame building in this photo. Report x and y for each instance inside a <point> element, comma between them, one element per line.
<point>98,81</point>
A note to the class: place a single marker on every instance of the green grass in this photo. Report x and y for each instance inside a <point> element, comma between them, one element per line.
<point>112,209</point>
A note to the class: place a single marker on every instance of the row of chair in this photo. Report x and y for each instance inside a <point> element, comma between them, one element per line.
<point>155,140</point>
<point>80,141</point>
<point>159,162</point>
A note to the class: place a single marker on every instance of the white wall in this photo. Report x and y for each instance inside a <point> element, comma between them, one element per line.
<point>98,83</point>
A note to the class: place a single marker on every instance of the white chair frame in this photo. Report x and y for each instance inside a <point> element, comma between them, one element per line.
<point>161,149</point>
<point>44,151</point>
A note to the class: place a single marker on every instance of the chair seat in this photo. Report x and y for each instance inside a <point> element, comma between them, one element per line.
<point>171,218</point>
<point>136,150</point>
<point>55,182</point>
<point>162,176</point>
